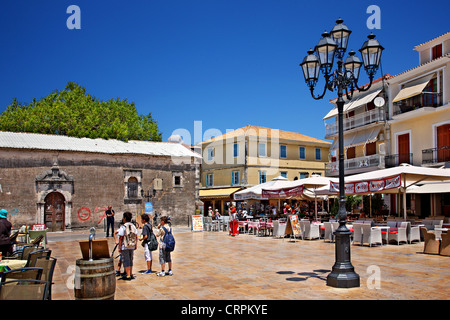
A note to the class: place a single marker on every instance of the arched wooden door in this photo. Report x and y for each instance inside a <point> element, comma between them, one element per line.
<point>54,211</point>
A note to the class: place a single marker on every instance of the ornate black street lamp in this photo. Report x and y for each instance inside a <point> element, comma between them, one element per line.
<point>343,79</point>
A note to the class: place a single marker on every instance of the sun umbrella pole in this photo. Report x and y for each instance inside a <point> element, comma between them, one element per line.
<point>404,197</point>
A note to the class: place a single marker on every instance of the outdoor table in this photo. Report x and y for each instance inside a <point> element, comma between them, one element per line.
<point>243,224</point>
<point>11,264</point>
<point>253,225</point>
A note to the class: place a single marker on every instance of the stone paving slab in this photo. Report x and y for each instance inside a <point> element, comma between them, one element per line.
<point>215,266</point>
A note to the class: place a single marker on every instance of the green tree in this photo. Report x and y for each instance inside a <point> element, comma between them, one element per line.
<point>73,112</point>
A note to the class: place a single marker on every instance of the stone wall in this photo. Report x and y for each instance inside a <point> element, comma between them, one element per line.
<point>90,182</point>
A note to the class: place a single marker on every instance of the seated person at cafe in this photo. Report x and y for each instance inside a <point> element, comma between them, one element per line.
<point>5,233</point>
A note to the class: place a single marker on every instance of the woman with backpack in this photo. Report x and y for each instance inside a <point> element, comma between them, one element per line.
<point>164,230</point>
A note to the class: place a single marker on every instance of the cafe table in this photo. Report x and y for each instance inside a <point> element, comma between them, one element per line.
<point>11,264</point>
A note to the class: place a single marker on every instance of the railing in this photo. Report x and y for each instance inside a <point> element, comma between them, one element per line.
<point>375,160</point>
<point>426,99</point>
<point>356,121</point>
<point>397,159</point>
<point>436,155</point>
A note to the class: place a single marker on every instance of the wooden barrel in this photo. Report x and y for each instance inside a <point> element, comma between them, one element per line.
<point>95,280</point>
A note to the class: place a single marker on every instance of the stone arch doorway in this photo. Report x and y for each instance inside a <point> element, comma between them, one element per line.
<point>54,211</point>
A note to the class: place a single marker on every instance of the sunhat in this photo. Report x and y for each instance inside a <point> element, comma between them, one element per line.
<point>3,214</point>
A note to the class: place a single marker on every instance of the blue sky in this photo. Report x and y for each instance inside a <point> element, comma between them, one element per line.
<point>226,63</point>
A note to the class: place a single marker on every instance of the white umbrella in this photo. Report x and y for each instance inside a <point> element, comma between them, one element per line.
<point>255,192</point>
<point>314,182</point>
<point>395,179</point>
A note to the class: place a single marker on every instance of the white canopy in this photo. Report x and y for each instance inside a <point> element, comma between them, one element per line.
<point>310,184</point>
<point>392,180</point>
<point>255,192</point>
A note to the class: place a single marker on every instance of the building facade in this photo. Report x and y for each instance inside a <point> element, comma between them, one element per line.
<point>252,155</point>
<point>419,120</point>
<point>365,130</point>
<point>67,183</point>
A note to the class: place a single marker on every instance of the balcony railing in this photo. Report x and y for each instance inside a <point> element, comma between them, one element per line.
<point>426,99</point>
<point>356,121</point>
<point>397,159</point>
<point>436,155</point>
<point>375,160</point>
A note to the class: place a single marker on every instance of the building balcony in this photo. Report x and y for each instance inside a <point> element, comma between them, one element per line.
<point>355,165</point>
<point>395,160</point>
<point>425,99</point>
<point>359,120</point>
<point>435,156</point>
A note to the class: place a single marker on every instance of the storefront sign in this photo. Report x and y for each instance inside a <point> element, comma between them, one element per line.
<point>282,193</point>
<point>369,185</point>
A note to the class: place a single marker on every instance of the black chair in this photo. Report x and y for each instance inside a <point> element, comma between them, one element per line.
<point>48,265</point>
<point>24,289</point>
<point>35,254</point>
<point>34,273</point>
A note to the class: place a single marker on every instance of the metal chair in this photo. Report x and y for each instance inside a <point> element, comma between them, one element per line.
<point>35,254</point>
<point>23,289</point>
<point>48,267</point>
<point>33,273</point>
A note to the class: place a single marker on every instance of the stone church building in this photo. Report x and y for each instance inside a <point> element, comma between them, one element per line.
<point>67,183</point>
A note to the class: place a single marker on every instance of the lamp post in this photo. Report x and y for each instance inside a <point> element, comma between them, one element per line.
<point>343,79</point>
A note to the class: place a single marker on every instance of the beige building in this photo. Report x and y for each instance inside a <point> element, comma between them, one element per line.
<point>252,155</point>
<point>420,108</point>
<point>419,119</point>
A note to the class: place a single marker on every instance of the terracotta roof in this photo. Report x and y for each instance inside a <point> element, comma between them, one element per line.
<point>250,130</point>
<point>420,45</point>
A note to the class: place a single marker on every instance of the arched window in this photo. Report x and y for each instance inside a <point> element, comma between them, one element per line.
<point>132,188</point>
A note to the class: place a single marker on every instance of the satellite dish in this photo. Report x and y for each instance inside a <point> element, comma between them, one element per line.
<point>379,102</point>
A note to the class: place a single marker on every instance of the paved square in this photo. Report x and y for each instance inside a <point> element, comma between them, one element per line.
<point>216,266</point>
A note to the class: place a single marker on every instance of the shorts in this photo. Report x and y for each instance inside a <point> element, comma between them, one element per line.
<point>164,256</point>
<point>127,257</point>
<point>147,253</point>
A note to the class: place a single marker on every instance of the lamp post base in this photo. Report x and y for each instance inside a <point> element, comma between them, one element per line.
<point>343,273</point>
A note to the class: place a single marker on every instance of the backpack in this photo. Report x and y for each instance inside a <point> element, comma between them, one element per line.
<point>168,243</point>
<point>130,236</point>
<point>151,241</point>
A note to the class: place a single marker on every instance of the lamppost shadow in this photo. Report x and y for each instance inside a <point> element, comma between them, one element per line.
<point>320,274</point>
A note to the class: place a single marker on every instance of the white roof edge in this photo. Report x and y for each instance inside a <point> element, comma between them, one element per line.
<point>36,141</point>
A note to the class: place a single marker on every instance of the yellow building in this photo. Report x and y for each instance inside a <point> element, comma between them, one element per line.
<point>252,155</point>
<point>419,119</point>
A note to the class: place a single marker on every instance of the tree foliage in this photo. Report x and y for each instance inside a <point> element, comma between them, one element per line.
<point>73,112</point>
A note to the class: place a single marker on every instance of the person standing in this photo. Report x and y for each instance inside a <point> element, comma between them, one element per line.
<point>109,221</point>
<point>164,256</point>
<point>146,233</point>
<point>127,244</point>
<point>5,233</point>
